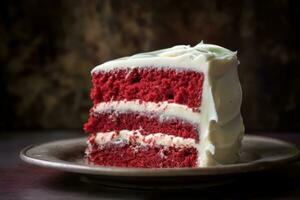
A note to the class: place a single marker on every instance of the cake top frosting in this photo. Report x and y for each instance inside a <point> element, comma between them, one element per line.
<point>178,56</point>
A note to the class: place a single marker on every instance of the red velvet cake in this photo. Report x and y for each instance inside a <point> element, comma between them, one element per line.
<point>176,107</point>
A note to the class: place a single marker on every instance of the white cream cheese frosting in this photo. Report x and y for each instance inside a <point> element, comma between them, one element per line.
<point>181,57</point>
<point>219,118</point>
<point>153,139</point>
<point>164,109</point>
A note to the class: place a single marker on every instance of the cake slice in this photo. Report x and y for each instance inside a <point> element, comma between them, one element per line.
<point>176,107</point>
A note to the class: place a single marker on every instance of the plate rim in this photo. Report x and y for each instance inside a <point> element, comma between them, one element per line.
<point>258,165</point>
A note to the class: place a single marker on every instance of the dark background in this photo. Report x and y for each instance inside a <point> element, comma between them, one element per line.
<point>48,48</point>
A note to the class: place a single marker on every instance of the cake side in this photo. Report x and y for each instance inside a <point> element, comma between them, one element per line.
<point>222,96</point>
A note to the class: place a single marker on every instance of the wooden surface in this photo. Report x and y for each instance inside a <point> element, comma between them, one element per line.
<point>19,180</point>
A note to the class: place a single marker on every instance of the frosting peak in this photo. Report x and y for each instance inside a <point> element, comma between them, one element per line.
<point>201,49</point>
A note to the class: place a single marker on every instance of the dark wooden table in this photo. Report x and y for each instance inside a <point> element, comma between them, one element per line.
<point>19,180</point>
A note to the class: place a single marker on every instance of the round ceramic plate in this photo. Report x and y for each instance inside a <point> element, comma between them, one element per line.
<point>258,153</point>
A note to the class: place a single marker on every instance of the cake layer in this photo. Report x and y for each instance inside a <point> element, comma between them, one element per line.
<point>136,137</point>
<point>143,156</point>
<point>148,84</point>
<point>104,122</point>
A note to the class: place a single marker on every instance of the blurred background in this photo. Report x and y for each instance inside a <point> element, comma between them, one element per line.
<point>48,48</point>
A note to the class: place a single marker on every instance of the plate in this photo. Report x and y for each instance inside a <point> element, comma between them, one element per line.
<point>258,153</point>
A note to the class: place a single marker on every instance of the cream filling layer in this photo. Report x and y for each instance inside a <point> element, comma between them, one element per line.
<point>165,110</point>
<point>154,139</point>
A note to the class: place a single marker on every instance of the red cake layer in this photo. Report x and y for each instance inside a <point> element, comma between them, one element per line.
<point>126,155</point>
<point>105,122</point>
<point>155,85</point>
